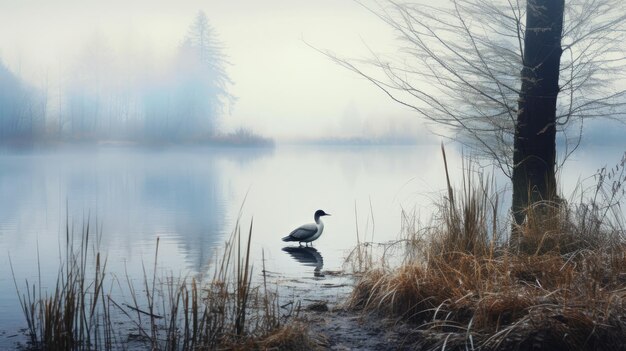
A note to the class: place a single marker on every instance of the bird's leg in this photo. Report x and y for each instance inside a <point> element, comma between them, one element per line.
<point>300,243</point>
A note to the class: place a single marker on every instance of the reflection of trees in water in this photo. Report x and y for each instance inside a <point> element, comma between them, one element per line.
<point>19,188</point>
<point>307,256</point>
<point>194,201</point>
<point>135,195</point>
<point>191,190</point>
<point>243,156</point>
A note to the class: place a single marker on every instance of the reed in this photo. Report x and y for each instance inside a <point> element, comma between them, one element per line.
<point>167,312</point>
<point>76,315</point>
<point>563,287</point>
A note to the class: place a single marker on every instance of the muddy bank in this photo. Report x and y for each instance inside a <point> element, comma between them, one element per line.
<point>342,329</point>
<point>321,308</point>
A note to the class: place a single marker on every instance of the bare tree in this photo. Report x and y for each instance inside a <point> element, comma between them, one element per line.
<point>507,77</point>
<point>534,144</point>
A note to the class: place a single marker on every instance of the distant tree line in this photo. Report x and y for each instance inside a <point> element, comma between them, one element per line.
<point>22,109</point>
<point>110,95</point>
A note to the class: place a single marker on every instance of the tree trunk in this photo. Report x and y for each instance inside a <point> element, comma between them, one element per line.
<point>534,156</point>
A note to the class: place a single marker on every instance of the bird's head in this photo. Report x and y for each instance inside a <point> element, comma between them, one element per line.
<point>320,213</point>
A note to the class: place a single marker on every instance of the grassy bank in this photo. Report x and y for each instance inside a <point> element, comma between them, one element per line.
<point>463,285</point>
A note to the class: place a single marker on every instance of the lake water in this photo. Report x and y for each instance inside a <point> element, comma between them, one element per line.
<point>191,199</point>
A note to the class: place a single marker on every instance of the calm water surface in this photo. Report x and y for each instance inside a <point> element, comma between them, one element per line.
<point>191,199</point>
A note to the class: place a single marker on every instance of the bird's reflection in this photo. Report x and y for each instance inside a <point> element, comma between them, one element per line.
<point>307,256</point>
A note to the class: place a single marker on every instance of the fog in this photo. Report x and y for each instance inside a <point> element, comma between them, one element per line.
<point>120,70</point>
<point>116,70</point>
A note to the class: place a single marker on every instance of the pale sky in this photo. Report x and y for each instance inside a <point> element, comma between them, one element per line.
<point>285,89</point>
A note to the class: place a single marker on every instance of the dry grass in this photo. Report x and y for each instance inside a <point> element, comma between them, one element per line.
<point>562,287</point>
<point>293,337</point>
<point>165,312</point>
<point>508,300</point>
<point>77,314</point>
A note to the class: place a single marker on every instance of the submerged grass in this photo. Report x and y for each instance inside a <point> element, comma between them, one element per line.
<point>164,313</point>
<point>463,286</point>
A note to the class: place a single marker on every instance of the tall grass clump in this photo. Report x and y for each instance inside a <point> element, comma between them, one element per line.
<point>228,311</point>
<point>562,286</point>
<point>76,314</point>
<point>165,312</point>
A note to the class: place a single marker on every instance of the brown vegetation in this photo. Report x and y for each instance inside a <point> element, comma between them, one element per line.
<point>165,313</point>
<point>292,336</point>
<point>464,287</point>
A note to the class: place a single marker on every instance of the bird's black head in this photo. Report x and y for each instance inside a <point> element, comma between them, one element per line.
<point>320,213</point>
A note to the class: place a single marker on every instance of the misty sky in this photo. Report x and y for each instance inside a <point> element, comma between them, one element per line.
<point>285,89</point>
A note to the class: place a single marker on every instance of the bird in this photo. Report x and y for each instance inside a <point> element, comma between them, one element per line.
<point>308,232</point>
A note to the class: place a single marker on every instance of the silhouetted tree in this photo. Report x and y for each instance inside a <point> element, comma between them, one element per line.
<point>85,92</point>
<point>534,146</point>
<point>22,109</point>
<point>506,77</point>
<point>202,84</point>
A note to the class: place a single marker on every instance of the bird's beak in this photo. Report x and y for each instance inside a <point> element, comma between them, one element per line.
<point>328,214</point>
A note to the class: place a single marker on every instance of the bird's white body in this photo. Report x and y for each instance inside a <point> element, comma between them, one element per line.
<point>318,233</point>
<point>308,232</point>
